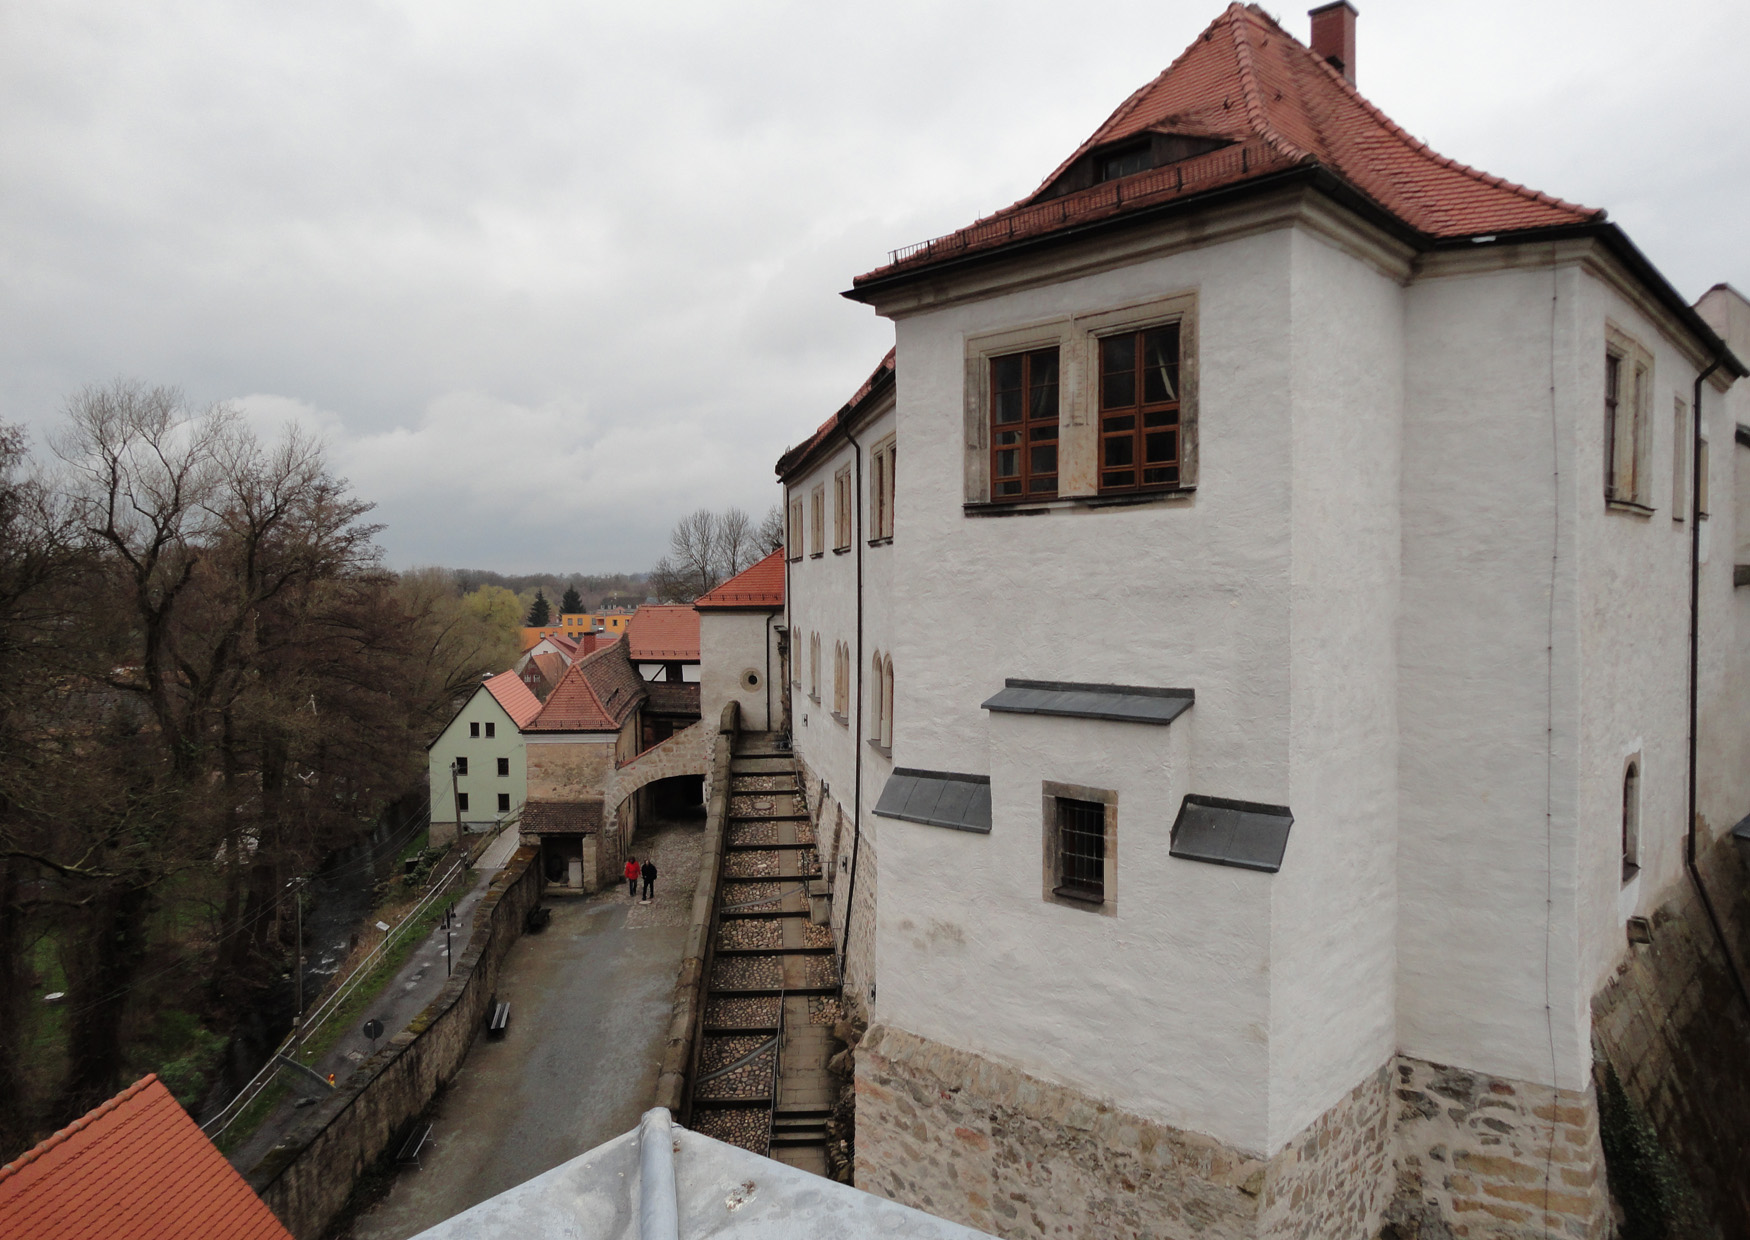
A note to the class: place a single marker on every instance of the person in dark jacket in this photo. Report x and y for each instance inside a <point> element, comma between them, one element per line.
<point>631,877</point>
<point>649,880</point>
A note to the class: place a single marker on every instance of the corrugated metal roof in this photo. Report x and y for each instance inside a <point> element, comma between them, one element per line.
<point>1120,703</point>
<point>937,799</point>
<point>1237,833</point>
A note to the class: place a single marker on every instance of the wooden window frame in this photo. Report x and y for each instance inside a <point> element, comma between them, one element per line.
<point>1055,891</point>
<point>797,532</point>
<point>1627,423</point>
<point>841,493</point>
<point>1030,480</point>
<point>1681,448</point>
<point>881,479</point>
<point>817,521</point>
<point>814,668</point>
<point>1164,411</point>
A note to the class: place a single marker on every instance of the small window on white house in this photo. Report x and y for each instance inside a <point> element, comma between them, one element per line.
<point>877,699</point>
<point>1681,447</point>
<point>793,536</point>
<point>814,668</point>
<point>881,461</point>
<point>1701,475</point>
<point>1081,847</point>
<point>503,767</point>
<point>474,730</point>
<point>841,510</point>
<point>1628,376</point>
<point>1631,819</point>
<point>887,702</point>
<point>817,527</point>
<point>461,766</point>
<point>492,729</point>
<point>504,802</point>
<point>462,802</point>
<point>841,682</point>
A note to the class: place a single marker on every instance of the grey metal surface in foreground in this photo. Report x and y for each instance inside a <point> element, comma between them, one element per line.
<point>937,799</point>
<point>662,1182</point>
<point>1119,703</point>
<point>1237,833</point>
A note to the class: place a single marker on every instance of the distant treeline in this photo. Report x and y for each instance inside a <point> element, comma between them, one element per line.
<point>596,589</point>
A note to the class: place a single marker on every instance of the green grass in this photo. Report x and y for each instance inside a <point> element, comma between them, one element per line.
<point>254,1115</point>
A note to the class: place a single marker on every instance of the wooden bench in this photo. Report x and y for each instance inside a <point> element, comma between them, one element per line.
<point>498,1018</point>
<point>411,1147</point>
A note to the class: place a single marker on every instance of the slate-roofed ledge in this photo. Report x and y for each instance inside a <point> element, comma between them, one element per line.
<point>937,799</point>
<point>1120,703</point>
<point>1237,833</point>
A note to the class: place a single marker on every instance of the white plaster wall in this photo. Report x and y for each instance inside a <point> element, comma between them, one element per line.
<point>1334,903</point>
<point>482,783</point>
<point>1487,884</point>
<point>1194,594</point>
<point>730,642</point>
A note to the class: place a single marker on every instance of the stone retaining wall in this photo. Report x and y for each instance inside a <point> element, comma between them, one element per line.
<point>307,1179</point>
<point>1673,1028</point>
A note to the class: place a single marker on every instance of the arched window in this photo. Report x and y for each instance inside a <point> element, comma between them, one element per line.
<point>814,667</point>
<point>877,700</point>
<point>1631,820</point>
<point>887,702</point>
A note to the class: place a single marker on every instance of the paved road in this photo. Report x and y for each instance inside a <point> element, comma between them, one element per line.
<point>591,998</point>
<point>402,998</point>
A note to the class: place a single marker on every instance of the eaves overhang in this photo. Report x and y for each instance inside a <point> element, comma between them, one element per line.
<point>804,456</point>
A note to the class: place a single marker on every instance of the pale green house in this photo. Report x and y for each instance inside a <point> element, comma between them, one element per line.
<point>479,759</point>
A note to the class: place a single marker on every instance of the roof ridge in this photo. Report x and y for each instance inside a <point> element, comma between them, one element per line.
<point>1445,161</point>
<point>79,1125</point>
<point>1251,95</point>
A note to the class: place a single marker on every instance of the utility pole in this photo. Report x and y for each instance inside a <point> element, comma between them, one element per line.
<point>456,800</point>
<point>297,888</point>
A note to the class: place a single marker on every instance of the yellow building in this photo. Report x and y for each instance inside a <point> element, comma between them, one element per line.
<point>575,624</point>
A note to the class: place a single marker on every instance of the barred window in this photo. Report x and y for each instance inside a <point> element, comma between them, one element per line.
<point>1081,849</point>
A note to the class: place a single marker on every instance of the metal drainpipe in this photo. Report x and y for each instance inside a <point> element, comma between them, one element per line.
<point>768,726</point>
<point>1689,863</point>
<point>856,705</point>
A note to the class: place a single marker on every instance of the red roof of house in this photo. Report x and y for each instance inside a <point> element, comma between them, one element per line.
<point>136,1168</point>
<point>508,689</point>
<point>1247,82</point>
<point>759,586</point>
<point>663,631</point>
<point>567,645</point>
<point>595,695</point>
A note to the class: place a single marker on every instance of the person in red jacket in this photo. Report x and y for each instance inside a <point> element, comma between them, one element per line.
<point>632,877</point>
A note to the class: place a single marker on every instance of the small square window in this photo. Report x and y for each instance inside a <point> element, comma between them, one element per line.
<point>474,730</point>
<point>504,802</point>
<point>492,729</point>
<point>1080,862</point>
<point>462,802</point>
<point>461,766</point>
<point>504,766</point>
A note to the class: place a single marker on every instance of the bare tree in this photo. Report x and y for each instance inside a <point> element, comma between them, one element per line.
<point>771,535</point>
<point>737,542</point>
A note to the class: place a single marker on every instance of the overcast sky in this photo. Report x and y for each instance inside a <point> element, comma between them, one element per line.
<point>548,275</point>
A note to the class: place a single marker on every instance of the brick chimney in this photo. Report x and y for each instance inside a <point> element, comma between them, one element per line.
<point>1333,36</point>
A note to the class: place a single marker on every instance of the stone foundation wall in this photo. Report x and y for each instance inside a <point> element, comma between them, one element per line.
<point>987,1145</point>
<point>1672,1027</point>
<point>1416,1151</point>
<point>1492,1159</point>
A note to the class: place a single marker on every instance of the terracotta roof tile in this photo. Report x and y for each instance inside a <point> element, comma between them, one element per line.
<point>673,699</point>
<point>508,689</point>
<point>561,817</point>
<point>595,695</point>
<point>1249,83</point>
<point>136,1168</point>
<point>663,631</point>
<point>758,586</point>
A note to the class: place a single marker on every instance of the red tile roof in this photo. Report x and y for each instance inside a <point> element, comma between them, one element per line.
<point>595,695</point>
<point>562,817</point>
<point>1248,82</point>
<point>508,689</point>
<point>136,1168</point>
<point>664,631</point>
<point>760,586</point>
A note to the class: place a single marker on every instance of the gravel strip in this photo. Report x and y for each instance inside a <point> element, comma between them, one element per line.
<point>719,1051</point>
<point>742,784</point>
<point>748,973</point>
<point>753,833</point>
<point>823,1010</point>
<point>752,1080</point>
<point>750,933</point>
<point>820,971</point>
<point>751,865</point>
<point>750,1129</point>
<point>816,936</point>
<point>743,1013</point>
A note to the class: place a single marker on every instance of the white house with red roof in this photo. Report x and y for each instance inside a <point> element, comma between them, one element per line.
<point>477,764</point>
<point>1279,900</point>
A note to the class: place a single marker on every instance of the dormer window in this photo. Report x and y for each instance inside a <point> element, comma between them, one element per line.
<point>1124,162</point>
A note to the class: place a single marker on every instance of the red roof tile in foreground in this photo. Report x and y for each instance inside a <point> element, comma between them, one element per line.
<point>595,695</point>
<point>760,586</point>
<point>136,1168</point>
<point>508,689</point>
<point>663,631</point>
<point>1249,83</point>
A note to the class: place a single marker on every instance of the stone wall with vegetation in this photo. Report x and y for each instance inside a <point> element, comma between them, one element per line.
<point>1671,1043</point>
<point>307,1179</point>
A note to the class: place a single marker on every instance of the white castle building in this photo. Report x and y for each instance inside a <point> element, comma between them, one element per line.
<point>1251,725</point>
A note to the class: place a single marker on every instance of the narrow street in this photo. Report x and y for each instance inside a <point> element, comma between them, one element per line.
<point>591,998</point>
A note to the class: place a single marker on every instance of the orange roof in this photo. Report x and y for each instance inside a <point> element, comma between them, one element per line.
<point>1273,106</point>
<point>136,1168</point>
<point>595,695</point>
<point>760,586</point>
<point>664,631</point>
<point>508,689</point>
